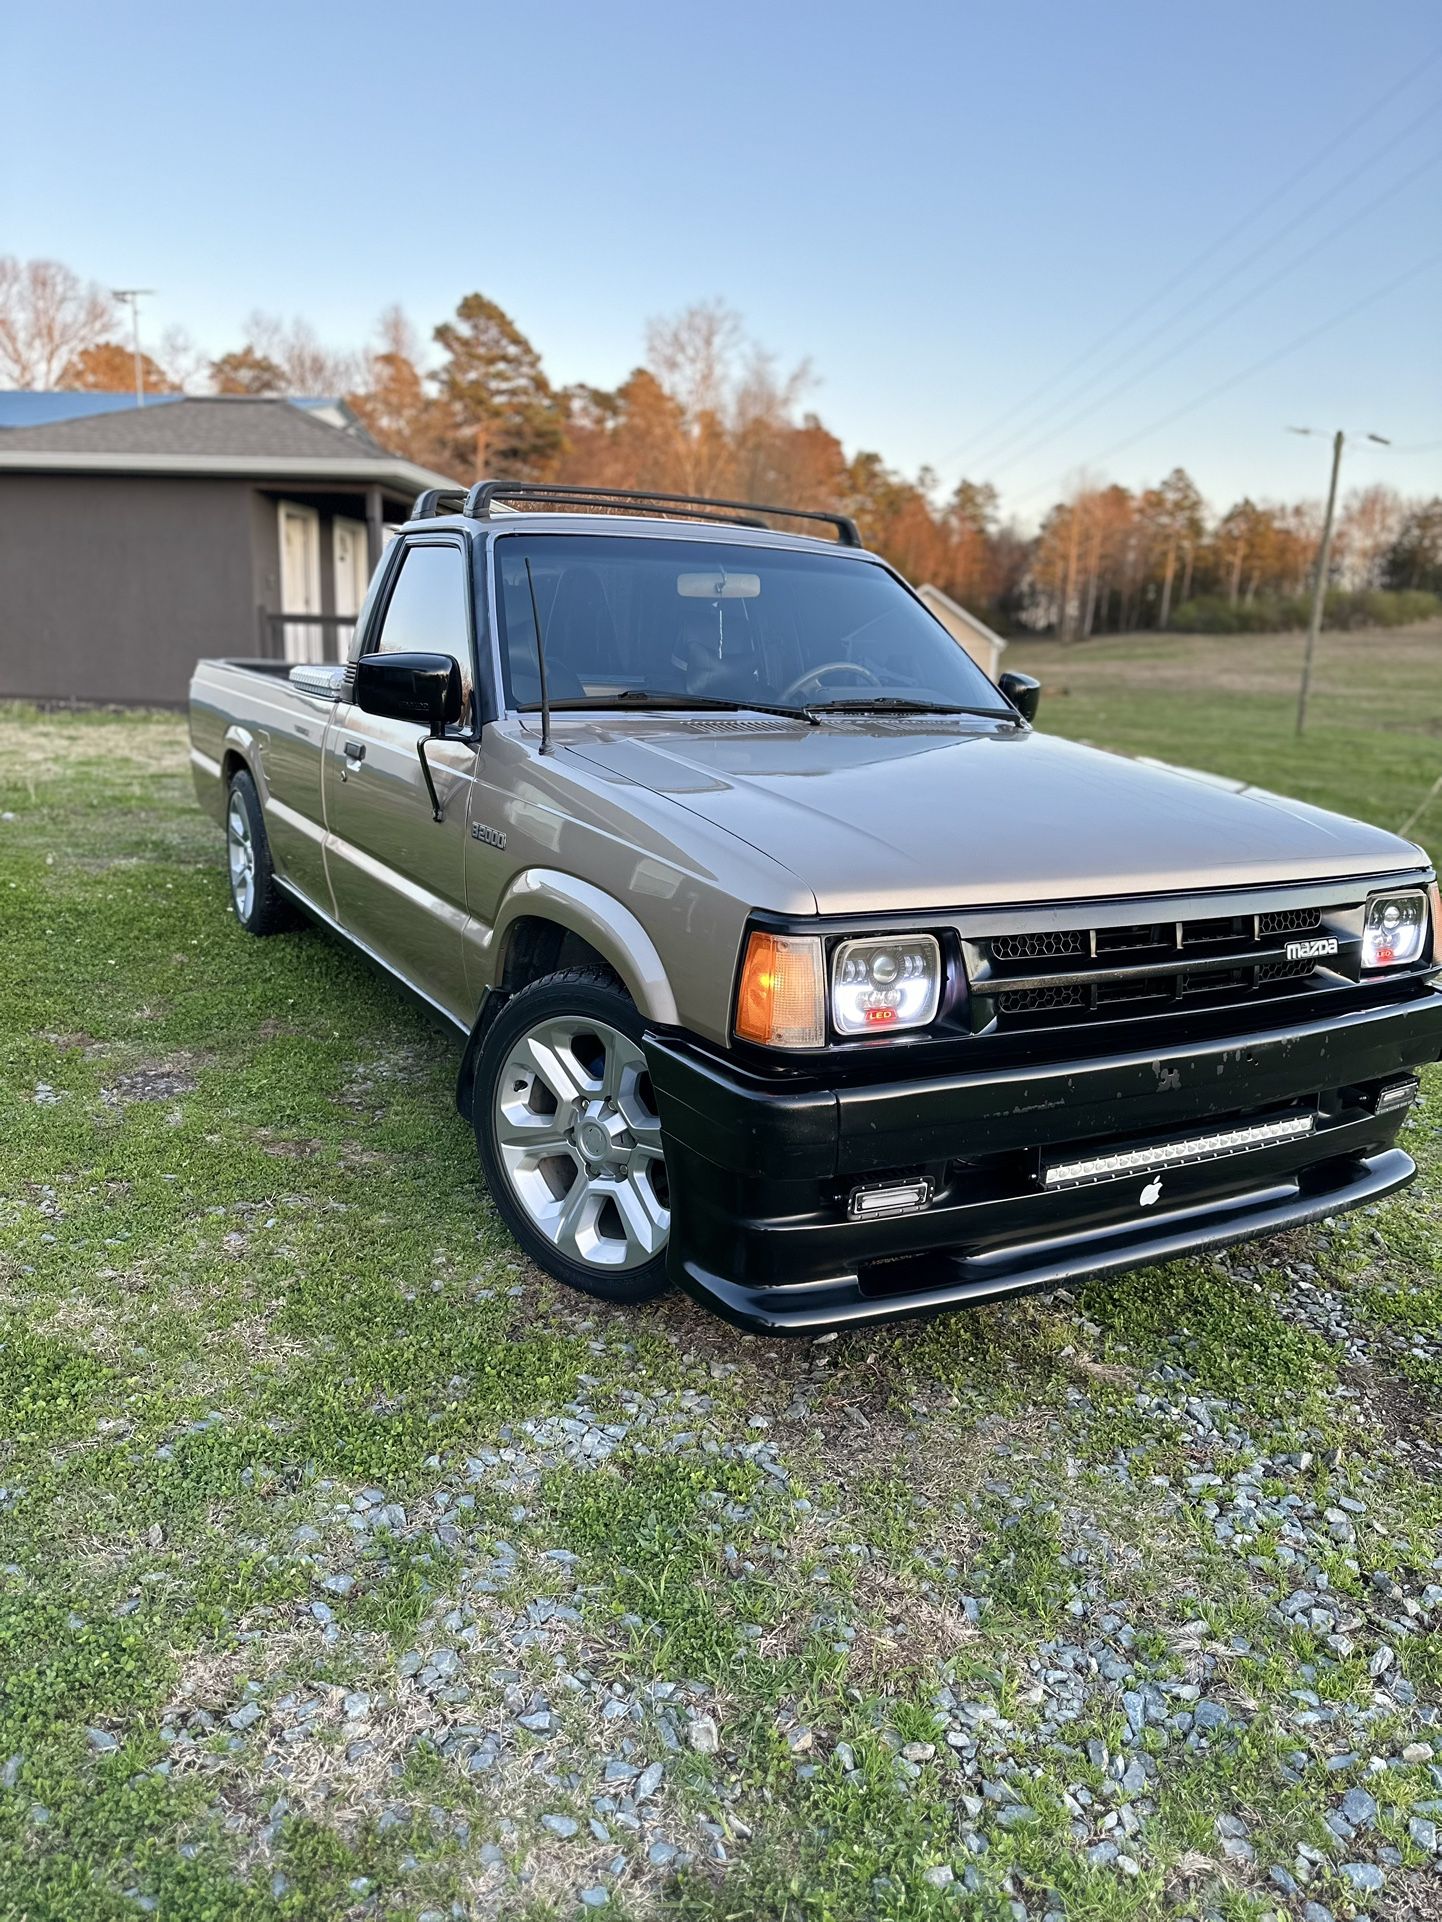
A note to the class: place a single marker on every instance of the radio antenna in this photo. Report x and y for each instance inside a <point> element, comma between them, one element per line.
<point>546,747</point>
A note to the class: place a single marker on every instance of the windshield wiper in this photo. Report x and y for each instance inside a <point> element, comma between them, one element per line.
<point>899,704</point>
<point>647,697</point>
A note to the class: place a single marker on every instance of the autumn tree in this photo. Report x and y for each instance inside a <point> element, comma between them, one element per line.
<point>49,316</point>
<point>1237,539</point>
<point>968,527</point>
<point>1173,517</point>
<point>629,437</point>
<point>895,516</point>
<point>109,368</point>
<point>1067,563</point>
<point>395,402</point>
<point>503,416</point>
<point>246,371</point>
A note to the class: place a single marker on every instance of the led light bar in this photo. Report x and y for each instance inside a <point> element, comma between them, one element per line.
<point>1173,1154</point>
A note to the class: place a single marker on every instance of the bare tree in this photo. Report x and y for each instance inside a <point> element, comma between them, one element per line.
<point>1371,521</point>
<point>48,316</point>
<point>184,362</point>
<point>694,353</point>
<point>308,365</point>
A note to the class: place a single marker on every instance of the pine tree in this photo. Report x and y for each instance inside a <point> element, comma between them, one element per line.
<point>505,419</point>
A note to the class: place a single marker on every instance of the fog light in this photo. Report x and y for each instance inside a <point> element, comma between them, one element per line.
<point>888,1198</point>
<point>1393,1095</point>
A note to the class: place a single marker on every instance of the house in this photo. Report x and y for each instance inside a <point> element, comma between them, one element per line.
<point>133,540</point>
<point>984,647</point>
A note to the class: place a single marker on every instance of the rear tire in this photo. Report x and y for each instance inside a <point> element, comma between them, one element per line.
<point>260,905</point>
<point>569,1137</point>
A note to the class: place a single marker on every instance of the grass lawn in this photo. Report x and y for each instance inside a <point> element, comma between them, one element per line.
<point>350,1568</point>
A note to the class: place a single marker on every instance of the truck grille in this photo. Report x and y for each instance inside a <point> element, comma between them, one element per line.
<point>1057,976</point>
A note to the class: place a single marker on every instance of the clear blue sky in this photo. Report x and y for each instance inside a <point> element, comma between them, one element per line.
<point>940,206</point>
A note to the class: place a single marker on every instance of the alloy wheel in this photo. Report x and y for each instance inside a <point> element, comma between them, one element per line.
<point>577,1132</point>
<point>240,852</point>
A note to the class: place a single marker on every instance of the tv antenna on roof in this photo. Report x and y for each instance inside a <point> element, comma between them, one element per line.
<point>131,297</point>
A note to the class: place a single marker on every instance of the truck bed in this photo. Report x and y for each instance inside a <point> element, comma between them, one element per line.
<point>251,701</point>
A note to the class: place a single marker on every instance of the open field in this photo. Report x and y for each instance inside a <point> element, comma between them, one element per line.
<point>350,1568</point>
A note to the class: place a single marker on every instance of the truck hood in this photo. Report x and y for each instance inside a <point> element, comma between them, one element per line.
<point>874,814</point>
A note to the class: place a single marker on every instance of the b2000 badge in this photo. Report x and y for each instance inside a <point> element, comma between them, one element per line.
<point>493,837</point>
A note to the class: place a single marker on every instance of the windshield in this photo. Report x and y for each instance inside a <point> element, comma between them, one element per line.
<point>629,619</point>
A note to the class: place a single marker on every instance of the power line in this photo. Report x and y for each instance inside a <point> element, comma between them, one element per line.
<point>1246,373</point>
<point>1057,428</point>
<point>1199,260</point>
<point>1257,253</point>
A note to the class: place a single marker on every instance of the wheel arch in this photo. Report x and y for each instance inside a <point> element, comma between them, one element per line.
<point>238,754</point>
<point>549,919</point>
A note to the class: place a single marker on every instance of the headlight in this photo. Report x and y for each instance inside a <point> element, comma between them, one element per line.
<point>1395,931</point>
<point>880,985</point>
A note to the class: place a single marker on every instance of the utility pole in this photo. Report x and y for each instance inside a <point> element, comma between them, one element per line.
<point>132,297</point>
<point>1324,553</point>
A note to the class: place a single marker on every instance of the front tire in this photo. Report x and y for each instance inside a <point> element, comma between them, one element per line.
<point>260,906</point>
<point>569,1136</point>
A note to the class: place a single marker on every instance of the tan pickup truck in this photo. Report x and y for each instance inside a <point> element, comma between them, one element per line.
<point>794,964</point>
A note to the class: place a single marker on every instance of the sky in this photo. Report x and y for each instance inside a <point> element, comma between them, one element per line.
<point>1031,243</point>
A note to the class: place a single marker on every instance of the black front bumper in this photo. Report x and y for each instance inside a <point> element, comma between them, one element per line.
<point>761,1167</point>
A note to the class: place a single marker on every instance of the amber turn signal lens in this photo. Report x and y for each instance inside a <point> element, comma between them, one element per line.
<point>782,1001</point>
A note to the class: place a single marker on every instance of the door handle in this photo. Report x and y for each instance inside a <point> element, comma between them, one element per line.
<point>355,751</point>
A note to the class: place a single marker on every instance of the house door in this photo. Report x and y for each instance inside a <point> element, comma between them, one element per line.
<point>300,581</point>
<point>352,577</point>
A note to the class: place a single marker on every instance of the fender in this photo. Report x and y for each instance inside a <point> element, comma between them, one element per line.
<point>241,740</point>
<point>208,774</point>
<point>598,918</point>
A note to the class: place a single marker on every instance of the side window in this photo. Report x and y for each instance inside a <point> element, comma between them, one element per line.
<point>426,612</point>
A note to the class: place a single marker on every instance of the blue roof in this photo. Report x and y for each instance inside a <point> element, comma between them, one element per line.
<point>44,409</point>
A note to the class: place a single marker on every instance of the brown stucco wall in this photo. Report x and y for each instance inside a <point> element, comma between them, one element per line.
<point>112,587</point>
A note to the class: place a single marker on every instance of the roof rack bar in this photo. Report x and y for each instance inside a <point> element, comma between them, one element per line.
<point>439,500</point>
<point>603,500</point>
<point>480,497</point>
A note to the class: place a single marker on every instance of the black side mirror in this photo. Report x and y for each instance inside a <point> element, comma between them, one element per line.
<point>424,688</point>
<point>1023,692</point>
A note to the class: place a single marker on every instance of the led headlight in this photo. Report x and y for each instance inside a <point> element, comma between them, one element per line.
<point>878,986</point>
<point>1395,931</point>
